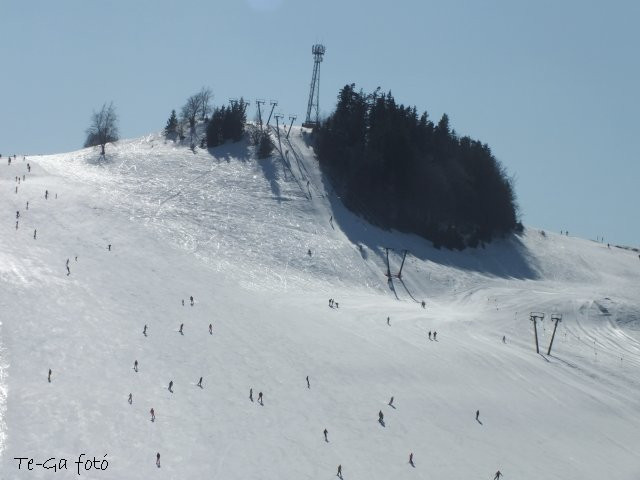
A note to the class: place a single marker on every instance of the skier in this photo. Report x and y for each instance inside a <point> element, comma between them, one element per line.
<point>477,415</point>
<point>260,398</point>
<point>27,205</point>
<point>337,305</point>
<point>309,252</point>
<point>183,302</point>
<point>388,321</point>
<point>76,255</point>
<point>504,339</point>
<point>380,416</point>
<point>411,459</point>
<point>109,247</point>
<point>158,460</point>
<point>498,475</point>
<point>325,435</point>
<point>251,394</point>
<point>171,386</point>
<point>339,474</point>
<point>153,415</point>
<point>28,167</point>
<point>429,334</point>
<point>200,382</point>
<point>49,377</point>
<point>308,384</point>
<point>130,400</point>
<point>191,298</point>
<point>434,335</point>
<point>46,194</point>
<point>423,304</point>
<point>16,224</point>
<point>330,301</point>
<point>17,214</point>
<point>210,329</point>
<point>135,366</point>
<point>144,330</point>
<point>391,402</point>
<point>35,233</point>
<point>68,270</point>
<point>181,325</point>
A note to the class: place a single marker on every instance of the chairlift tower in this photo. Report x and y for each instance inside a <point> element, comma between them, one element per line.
<point>313,107</point>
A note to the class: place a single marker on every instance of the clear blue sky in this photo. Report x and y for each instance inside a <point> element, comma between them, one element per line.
<point>551,86</point>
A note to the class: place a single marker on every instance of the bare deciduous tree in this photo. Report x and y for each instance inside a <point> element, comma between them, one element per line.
<point>191,109</point>
<point>103,128</point>
<point>205,97</point>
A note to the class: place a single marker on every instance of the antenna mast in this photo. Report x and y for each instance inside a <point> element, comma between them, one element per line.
<point>313,108</point>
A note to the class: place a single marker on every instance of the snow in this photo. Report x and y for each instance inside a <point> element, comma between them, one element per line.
<point>234,232</point>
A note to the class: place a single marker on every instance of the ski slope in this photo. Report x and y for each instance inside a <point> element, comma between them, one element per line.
<point>234,232</point>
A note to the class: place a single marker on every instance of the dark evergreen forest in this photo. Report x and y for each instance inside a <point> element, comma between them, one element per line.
<point>399,170</point>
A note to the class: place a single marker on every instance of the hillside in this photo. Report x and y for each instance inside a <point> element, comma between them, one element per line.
<point>234,233</point>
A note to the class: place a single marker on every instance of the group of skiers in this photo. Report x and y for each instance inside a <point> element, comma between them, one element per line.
<point>260,398</point>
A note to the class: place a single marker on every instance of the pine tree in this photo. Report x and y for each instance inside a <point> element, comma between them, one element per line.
<point>171,129</point>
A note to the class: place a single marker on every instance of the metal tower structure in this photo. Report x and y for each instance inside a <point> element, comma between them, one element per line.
<point>314,92</point>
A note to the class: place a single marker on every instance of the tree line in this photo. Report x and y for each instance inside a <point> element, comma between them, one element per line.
<point>399,170</point>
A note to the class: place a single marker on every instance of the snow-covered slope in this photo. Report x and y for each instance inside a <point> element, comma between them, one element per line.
<point>234,232</point>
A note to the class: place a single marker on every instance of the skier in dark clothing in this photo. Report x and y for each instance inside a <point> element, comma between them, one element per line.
<point>504,339</point>
<point>35,234</point>
<point>144,330</point>
<point>49,377</point>
<point>16,224</point>
<point>498,475</point>
<point>68,270</point>
<point>434,335</point>
<point>183,302</point>
<point>109,247</point>
<point>200,382</point>
<point>135,366</point>
<point>423,304</point>
<point>391,402</point>
<point>411,459</point>
<point>28,168</point>
<point>191,298</point>
<point>477,415</point>
<point>210,329</point>
<point>429,334</point>
<point>308,384</point>
<point>181,326</point>
<point>380,416</point>
<point>17,213</point>
<point>153,415</point>
<point>171,386</point>
<point>251,394</point>
<point>158,460</point>
<point>130,400</point>
<point>388,320</point>
<point>260,398</point>
<point>339,474</point>
<point>325,435</point>
<point>46,194</point>
<point>27,205</point>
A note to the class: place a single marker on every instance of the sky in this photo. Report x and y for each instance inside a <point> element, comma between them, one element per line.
<point>551,86</point>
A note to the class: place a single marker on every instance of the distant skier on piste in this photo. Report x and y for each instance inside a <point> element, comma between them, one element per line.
<point>498,475</point>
